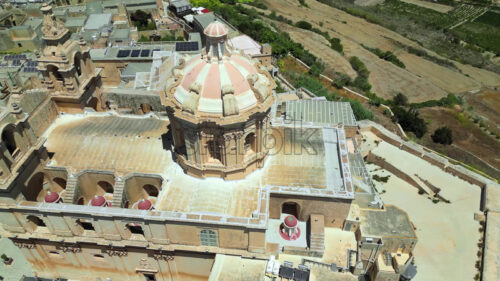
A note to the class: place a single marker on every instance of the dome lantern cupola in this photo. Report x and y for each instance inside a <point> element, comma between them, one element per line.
<point>216,36</point>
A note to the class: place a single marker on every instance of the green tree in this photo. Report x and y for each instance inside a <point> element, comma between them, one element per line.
<point>410,120</point>
<point>304,25</point>
<point>442,135</point>
<point>400,99</point>
<point>336,45</point>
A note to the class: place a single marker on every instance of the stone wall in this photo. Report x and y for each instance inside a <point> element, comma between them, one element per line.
<point>335,211</point>
<point>490,196</point>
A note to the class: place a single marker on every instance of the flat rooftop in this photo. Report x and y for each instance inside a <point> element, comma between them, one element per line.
<point>388,222</point>
<point>320,112</point>
<point>125,144</point>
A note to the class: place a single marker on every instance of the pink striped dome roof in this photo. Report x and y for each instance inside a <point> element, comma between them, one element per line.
<point>216,29</point>
<point>211,77</point>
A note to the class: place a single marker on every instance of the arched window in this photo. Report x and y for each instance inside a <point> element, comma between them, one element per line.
<point>250,146</point>
<point>208,238</point>
<point>151,190</point>
<point>9,140</point>
<point>106,186</point>
<point>78,64</point>
<point>54,73</point>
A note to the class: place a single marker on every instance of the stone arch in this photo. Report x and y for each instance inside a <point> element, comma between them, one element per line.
<point>77,62</point>
<point>59,183</point>
<point>34,191</point>
<point>105,186</point>
<point>12,140</point>
<point>145,108</point>
<point>151,190</point>
<point>54,74</point>
<point>93,103</point>
<point>250,144</point>
<point>91,184</point>
<point>290,208</point>
<point>138,187</point>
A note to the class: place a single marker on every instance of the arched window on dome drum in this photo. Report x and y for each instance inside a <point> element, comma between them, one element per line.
<point>250,146</point>
<point>208,238</point>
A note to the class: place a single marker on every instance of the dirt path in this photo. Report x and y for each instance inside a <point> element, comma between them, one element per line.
<point>421,80</point>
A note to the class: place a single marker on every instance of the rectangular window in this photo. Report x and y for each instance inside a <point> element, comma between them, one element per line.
<point>208,238</point>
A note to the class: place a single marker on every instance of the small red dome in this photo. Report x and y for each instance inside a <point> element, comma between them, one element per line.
<point>291,221</point>
<point>144,204</point>
<point>98,201</point>
<point>51,197</point>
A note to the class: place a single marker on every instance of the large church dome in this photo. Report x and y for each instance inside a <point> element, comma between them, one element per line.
<point>219,81</point>
<point>219,105</point>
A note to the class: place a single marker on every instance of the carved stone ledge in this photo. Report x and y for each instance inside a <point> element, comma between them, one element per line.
<point>69,248</point>
<point>26,245</point>
<point>116,252</point>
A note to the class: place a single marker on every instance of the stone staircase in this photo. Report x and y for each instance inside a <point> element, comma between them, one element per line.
<point>317,243</point>
<point>69,195</point>
<point>118,190</point>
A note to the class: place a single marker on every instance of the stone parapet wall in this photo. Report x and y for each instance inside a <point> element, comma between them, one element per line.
<point>490,197</point>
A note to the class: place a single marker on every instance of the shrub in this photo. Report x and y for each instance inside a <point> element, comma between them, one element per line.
<point>359,66</point>
<point>400,99</point>
<point>316,68</point>
<point>380,179</point>
<point>304,25</point>
<point>410,120</point>
<point>313,85</point>
<point>336,45</point>
<point>341,80</point>
<point>362,83</point>
<point>360,113</point>
<point>442,135</point>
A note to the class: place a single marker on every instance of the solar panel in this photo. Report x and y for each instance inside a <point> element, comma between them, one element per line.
<point>300,275</point>
<point>186,46</point>
<point>123,53</point>
<point>135,53</point>
<point>145,53</point>
<point>286,272</point>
